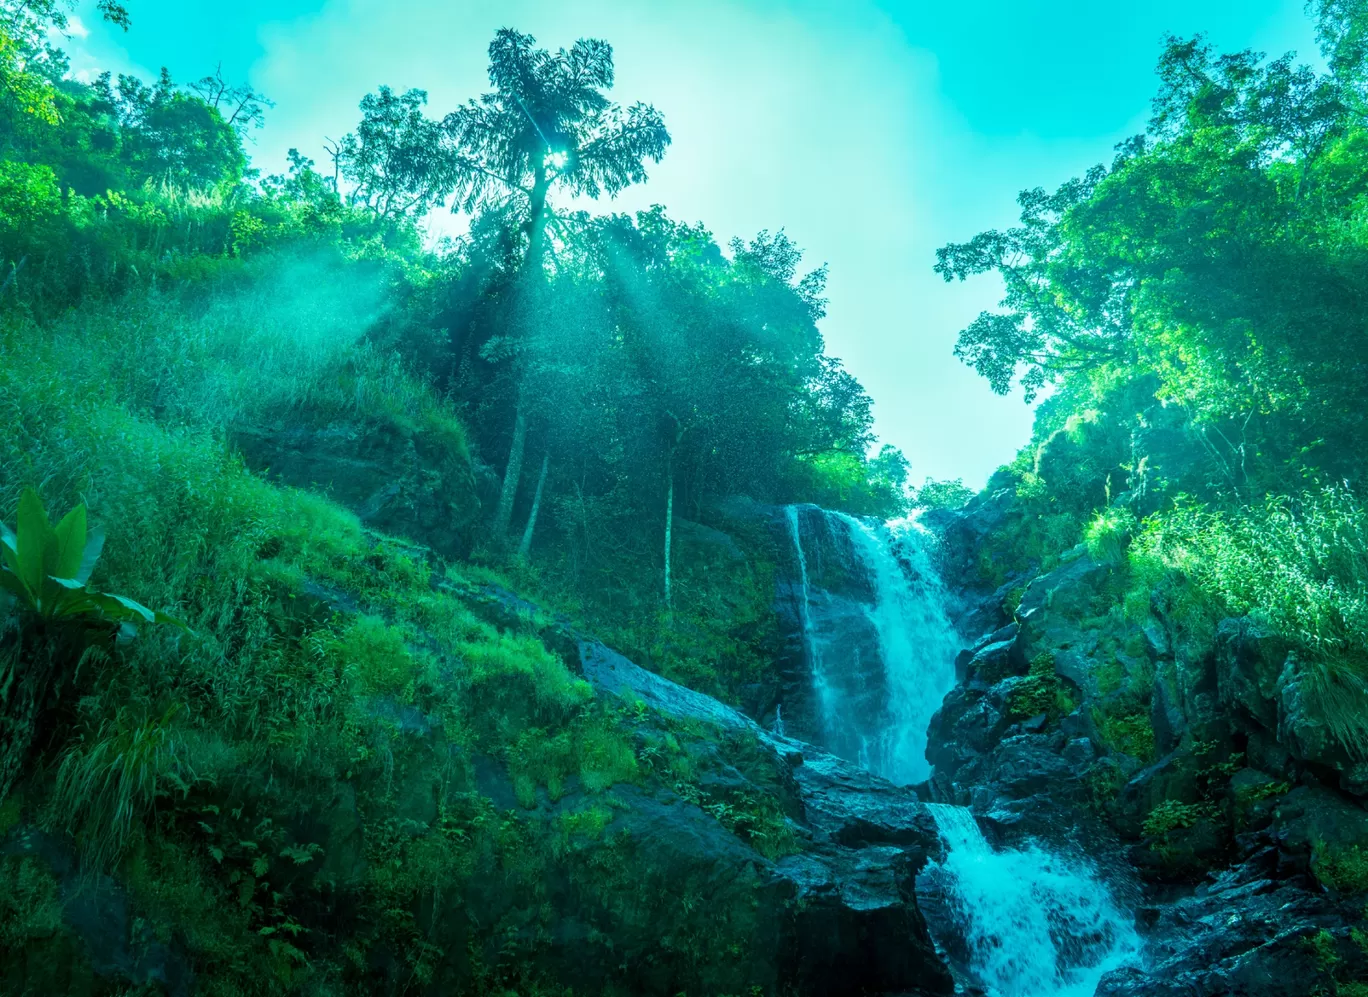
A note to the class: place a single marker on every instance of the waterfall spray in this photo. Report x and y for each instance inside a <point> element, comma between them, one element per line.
<point>880,653</point>
<point>1035,924</point>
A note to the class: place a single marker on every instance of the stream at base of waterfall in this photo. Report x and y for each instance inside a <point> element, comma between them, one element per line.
<point>1030,923</point>
<point>880,650</point>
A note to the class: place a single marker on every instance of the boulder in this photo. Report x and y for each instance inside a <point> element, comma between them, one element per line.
<point>399,480</point>
<point>1254,937</point>
<point>853,924</point>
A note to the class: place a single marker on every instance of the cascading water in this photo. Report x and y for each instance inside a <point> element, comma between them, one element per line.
<point>879,652</point>
<point>916,641</point>
<point>1033,924</point>
<point>878,645</point>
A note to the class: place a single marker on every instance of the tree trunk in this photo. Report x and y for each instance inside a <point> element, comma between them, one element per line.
<point>669,535</point>
<point>512,472</point>
<point>532,274</point>
<point>536,223</point>
<point>526,545</point>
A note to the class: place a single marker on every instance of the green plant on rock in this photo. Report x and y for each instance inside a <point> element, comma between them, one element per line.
<point>1172,815</point>
<point>1322,946</point>
<point>1041,691</point>
<point>1109,534</point>
<point>1130,732</point>
<point>1343,869</point>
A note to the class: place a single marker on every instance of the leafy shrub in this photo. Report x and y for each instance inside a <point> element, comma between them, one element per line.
<point>1341,869</point>
<point>46,568</point>
<point>1109,533</point>
<point>1040,691</point>
<point>1130,732</point>
<point>106,784</point>
<point>1173,815</point>
<point>1298,562</point>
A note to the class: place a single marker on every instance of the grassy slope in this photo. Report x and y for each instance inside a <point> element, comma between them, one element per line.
<point>261,788</point>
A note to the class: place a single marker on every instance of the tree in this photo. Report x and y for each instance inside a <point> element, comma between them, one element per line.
<point>168,136</point>
<point>1216,253</point>
<point>24,53</point>
<point>397,161</point>
<point>237,103</point>
<point>547,124</point>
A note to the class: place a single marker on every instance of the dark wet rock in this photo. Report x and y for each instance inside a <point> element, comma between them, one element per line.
<point>853,925</point>
<point>1248,937</point>
<point>398,480</point>
<point>1311,816</point>
<point>996,661</point>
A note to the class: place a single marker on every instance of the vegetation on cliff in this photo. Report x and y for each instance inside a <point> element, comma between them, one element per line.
<point>1196,312</point>
<point>334,451</point>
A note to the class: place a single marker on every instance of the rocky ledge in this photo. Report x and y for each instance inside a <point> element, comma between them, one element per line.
<point>1186,768</point>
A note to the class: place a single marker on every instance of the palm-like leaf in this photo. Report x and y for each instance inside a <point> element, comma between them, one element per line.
<point>546,104</point>
<point>46,569</point>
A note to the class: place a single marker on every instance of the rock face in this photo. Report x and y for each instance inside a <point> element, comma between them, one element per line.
<point>1247,934</point>
<point>823,599</point>
<point>408,482</point>
<point>851,924</point>
<point>1188,769</point>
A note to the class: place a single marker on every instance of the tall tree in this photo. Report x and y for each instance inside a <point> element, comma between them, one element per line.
<point>397,160</point>
<point>547,125</point>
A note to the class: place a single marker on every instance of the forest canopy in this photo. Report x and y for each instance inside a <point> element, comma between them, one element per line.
<point>613,372</point>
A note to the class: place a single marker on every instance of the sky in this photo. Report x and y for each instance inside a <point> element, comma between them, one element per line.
<point>871,131</point>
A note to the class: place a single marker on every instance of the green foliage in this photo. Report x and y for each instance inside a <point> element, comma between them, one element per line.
<point>46,568</point>
<point>1323,947</point>
<point>107,783</point>
<point>1343,869</point>
<point>1299,562</point>
<point>1130,732</point>
<point>942,494</point>
<point>29,900</point>
<point>1041,691</point>
<point>1173,815</point>
<point>1108,535</point>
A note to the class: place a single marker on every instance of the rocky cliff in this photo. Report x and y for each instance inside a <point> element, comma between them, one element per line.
<point>1185,764</point>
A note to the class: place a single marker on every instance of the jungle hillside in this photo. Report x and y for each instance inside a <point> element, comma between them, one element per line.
<point>390,614</point>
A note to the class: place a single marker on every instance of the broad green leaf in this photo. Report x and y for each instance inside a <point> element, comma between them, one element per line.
<point>119,608</point>
<point>94,544</point>
<point>67,583</point>
<point>163,618</point>
<point>13,584</point>
<point>71,543</point>
<point>34,539</point>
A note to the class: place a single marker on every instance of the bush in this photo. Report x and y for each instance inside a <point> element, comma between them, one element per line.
<point>1342,869</point>
<point>1109,534</point>
<point>1299,562</point>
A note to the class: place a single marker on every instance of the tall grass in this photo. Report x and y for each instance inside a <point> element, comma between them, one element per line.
<point>283,334</point>
<point>1298,562</point>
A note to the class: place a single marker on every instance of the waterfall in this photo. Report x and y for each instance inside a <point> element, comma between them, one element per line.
<point>879,648</point>
<point>1034,924</point>
<point>917,642</point>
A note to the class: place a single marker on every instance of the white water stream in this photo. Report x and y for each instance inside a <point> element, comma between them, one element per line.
<point>1032,922</point>
<point>1035,924</point>
<point>916,645</point>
